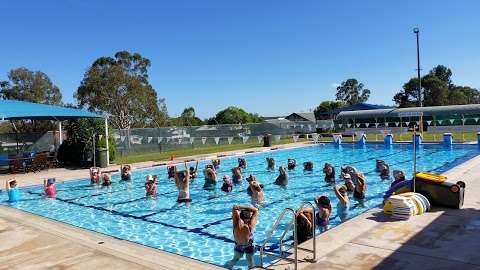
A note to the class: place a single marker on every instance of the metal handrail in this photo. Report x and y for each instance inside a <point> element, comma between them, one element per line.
<point>295,236</point>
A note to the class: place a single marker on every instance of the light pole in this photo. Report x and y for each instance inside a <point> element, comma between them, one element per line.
<point>420,104</point>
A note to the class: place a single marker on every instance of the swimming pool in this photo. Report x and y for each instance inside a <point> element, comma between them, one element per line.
<point>203,230</point>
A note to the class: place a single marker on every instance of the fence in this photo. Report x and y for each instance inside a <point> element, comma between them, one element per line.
<point>11,143</point>
<point>168,138</point>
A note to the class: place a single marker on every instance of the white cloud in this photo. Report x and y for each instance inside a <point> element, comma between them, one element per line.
<point>334,85</point>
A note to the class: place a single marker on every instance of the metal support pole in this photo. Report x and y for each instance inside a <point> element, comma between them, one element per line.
<point>60,135</point>
<point>106,141</point>
<point>420,103</point>
<point>414,157</point>
<point>94,152</point>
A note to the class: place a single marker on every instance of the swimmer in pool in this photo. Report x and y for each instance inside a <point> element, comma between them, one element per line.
<point>94,175</point>
<point>210,178</point>
<point>216,163</point>
<point>304,225</point>
<point>343,202</point>
<point>348,181</point>
<point>257,192</point>
<point>227,184</point>
<point>324,212</point>
<point>244,223</point>
<point>398,177</point>
<point>282,178</point>
<point>192,171</point>
<point>242,163</point>
<point>12,190</point>
<point>270,164</point>
<point>329,171</point>
<point>352,171</point>
<point>49,187</point>
<point>360,187</point>
<point>151,186</point>
<point>252,178</point>
<point>292,163</point>
<point>237,175</point>
<point>308,166</point>
<point>126,172</point>
<point>171,171</point>
<point>182,181</point>
<point>107,180</point>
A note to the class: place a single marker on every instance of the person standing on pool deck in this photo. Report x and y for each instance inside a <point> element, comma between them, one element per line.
<point>94,175</point>
<point>282,178</point>
<point>12,190</point>
<point>270,164</point>
<point>244,222</point>
<point>49,187</point>
<point>182,181</point>
<point>210,178</point>
<point>126,172</point>
<point>343,202</point>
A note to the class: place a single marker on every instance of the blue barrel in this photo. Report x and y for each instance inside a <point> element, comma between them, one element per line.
<point>447,139</point>
<point>418,139</point>
<point>388,140</point>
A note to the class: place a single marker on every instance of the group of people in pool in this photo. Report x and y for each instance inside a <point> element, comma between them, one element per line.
<point>245,217</point>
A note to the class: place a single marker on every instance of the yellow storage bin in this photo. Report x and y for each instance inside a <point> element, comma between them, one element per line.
<point>430,177</point>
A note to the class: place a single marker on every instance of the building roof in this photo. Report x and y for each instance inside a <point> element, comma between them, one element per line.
<point>307,116</point>
<point>15,110</point>
<point>357,107</point>
<point>427,111</point>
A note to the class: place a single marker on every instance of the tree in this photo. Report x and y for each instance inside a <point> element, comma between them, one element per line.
<point>234,115</point>
<point>33,86</point>
<point>326,106</point>
<point>438,90</point>
<point>352,92</point>
<point>119,86</point>
<point>187,118</point>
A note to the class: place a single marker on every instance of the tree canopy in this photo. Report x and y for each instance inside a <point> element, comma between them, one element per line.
<point>234,115</point>
<point>187,118</point>
<point>119,86</point>
<point>326,106</point>
<point>352,92</point>
<point>438,90</point>
<point>34,86</point>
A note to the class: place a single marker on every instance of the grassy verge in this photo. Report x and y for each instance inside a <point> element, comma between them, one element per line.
<point>157,156</point>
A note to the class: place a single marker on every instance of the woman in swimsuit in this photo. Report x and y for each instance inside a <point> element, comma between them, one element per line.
<point>324,212</point>
<point>360,187</point>
<point>242,163</point>
<point>126,172</point>
<point>237,175</point>
<point>304,225</point>
<point>270,164</point>
<point>94,175</point>
<point>329,171</point>
<point>210,178</point>
<point>107,180</point>
<point>227,184</point>
<point>182,181</point>
<point>244,222</point>
<point>151,186</point>
<point>282,178</point>
<point>308,166</point>
<point>343,202</point>
<point>291,163</point>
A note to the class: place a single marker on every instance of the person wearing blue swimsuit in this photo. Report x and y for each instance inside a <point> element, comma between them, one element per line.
<point>324,212</point>
<point>244,222</point>
<point>12,190</point>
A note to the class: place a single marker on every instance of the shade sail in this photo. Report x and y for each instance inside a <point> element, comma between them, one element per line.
<point>16,110</point>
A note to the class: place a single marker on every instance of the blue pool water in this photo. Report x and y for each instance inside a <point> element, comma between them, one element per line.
<point>204,229</point>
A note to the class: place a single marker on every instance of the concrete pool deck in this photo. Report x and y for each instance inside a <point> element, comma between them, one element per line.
<point>441,239</point>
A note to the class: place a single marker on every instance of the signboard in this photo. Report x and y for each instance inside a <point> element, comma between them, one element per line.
<point>410,114</point>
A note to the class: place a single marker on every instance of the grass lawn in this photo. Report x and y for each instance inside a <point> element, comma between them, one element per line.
<point>157,156</point>
<point>210,149</point>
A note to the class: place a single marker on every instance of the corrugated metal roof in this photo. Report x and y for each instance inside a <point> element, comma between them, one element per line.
<point>427,111</point>
<point>15,110</point>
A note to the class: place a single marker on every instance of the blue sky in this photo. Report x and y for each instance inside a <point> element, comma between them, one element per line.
<point>270,57</point>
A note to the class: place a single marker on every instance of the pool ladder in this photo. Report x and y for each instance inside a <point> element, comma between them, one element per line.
<point>292,222</point>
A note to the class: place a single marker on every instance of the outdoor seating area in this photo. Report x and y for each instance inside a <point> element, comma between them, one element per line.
<point>28,162</point>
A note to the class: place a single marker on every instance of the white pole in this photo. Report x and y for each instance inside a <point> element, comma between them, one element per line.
<point>60,136</point>
<point>414,156</point>
<point>106,141</point>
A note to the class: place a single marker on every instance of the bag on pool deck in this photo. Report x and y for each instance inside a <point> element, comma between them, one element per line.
<point>442,194</point>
